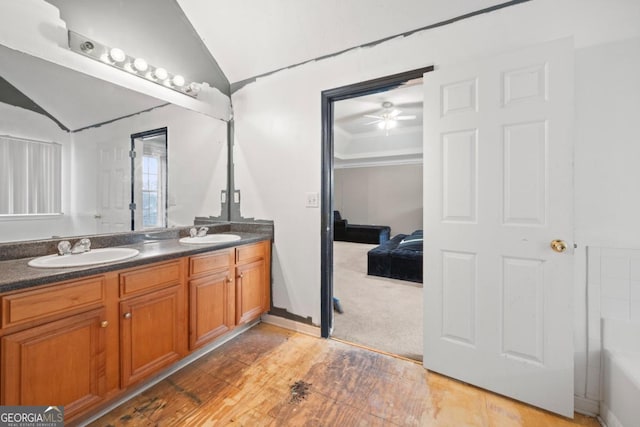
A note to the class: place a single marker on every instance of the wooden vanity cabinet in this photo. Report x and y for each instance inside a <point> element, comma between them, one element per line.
<point>61,363</point>
<point>55,355</point>
<point>227,288</point>
<point>252,281</point>
<point>81,343</point>
<point>152,320</point>
<point>211,296</point>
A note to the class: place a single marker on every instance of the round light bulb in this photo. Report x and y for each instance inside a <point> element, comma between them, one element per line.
<point>381,125</point>
<point>178,80</point>
<point>117,55</point>
<point>160,73</point>
<point>140,65</point>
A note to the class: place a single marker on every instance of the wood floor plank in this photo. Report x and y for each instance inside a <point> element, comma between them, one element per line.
<point>395,399</point>
<point>180,395</point>
<point>319,410</point>
<point>248,382</point>
<point>130,413</point>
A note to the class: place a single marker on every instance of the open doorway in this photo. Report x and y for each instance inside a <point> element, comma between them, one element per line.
<point>329,99</point>
<point>149,179</point>
<point>377,196</point>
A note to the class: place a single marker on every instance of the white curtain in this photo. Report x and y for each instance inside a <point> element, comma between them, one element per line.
<point>30,176</point>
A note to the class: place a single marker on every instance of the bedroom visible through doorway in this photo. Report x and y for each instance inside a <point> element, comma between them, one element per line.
<point>377,220</point>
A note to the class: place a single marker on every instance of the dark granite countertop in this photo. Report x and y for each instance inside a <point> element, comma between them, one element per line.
<point>15,274</point>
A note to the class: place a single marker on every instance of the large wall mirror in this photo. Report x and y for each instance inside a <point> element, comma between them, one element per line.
<point>93,123</point>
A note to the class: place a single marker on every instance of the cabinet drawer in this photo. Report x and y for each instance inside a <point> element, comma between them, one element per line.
<point>54,300</point>
<point>146,278</point>
<point>250,253</point>
<point>210,262</point>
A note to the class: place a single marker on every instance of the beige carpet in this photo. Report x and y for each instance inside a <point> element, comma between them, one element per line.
<point>381,313</point>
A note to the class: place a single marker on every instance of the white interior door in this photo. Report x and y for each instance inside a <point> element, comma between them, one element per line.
<point>114,186</point>
<point>498,189</point>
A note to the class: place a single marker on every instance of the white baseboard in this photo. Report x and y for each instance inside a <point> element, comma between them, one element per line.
<point>586,406</point>
<point>291,324</point>
<point>608,419</point>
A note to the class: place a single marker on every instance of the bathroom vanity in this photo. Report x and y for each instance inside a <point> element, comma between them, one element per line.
<point>82,337</point>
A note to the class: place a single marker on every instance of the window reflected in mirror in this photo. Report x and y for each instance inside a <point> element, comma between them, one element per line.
<point>30,173</point>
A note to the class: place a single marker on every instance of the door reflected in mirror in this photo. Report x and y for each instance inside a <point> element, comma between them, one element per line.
<point>149,177</point>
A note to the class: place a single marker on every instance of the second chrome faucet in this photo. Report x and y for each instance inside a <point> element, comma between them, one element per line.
<point>82,245</point>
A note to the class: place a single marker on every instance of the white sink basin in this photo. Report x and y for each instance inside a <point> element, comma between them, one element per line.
<point>94,256</point>
<point>210,239</point>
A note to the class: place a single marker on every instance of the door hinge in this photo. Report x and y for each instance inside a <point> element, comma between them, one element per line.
<point>132,154</point>
<point>132,206</point>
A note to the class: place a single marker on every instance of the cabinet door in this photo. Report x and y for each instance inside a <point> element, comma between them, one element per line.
<point>250,285</point>
<point>212,307</point>
<point>150,333</point>
<point>58,363</point>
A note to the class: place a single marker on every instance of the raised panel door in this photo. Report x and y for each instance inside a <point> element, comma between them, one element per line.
<point>212,308</point>
<point>150,333</point>
<point>58,363</point>
<point>498,168</point>
<point>250,293</point>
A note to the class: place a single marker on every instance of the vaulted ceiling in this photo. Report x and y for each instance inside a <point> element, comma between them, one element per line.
<point>225,43</point>
<point>250,38</point>
<point>235,40</point>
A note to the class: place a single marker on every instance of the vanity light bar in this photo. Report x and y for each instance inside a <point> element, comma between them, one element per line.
<point>117,58</point>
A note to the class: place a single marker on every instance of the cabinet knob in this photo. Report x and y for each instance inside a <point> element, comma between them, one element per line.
<point>241,275</point>
<point>127,315</point>
<point>229,280</point>
<point>104,323</point>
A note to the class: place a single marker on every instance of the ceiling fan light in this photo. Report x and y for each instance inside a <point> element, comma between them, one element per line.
<point>382,124</point>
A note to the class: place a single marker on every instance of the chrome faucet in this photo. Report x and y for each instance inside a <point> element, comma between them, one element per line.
<point>201,232</point>
<point>64,247</point>
<point>83,245</point>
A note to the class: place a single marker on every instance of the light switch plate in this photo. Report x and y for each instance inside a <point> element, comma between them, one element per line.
<point>313,200</point>
<point>236,196</point>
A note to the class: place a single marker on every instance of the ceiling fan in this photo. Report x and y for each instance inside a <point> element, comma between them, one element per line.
<point>389,117</point>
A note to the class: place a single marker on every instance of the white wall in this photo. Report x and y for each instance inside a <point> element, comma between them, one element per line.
<point>197,158</point>
<point>383,195</point>
<point>607,176</point>
<point>278,128</point>
<point>22,123</point>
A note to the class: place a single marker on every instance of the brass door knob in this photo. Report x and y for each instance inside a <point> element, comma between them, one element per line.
<point>558,245</point>
<point>104,323</point>
<point>127,315</point>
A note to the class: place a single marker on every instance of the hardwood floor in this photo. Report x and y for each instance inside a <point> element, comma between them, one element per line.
<point>270,376</point>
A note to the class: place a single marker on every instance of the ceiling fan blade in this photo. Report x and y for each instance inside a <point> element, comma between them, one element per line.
<point>373,122</point>
<point>373,117</point>
<point>405,118</point>
<point>394,113</point>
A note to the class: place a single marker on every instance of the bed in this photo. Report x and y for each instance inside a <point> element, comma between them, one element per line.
<point>398,258</point>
